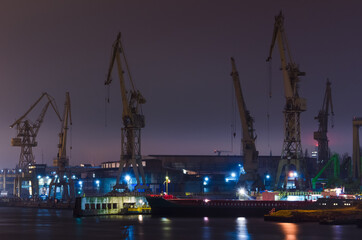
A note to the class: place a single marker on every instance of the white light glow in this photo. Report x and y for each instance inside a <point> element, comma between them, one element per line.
<point>241,191</point>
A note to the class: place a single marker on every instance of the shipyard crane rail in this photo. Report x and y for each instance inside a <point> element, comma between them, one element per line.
<point>132,119</point>
<point>292,155</point>
<point>61,180</point>
<point>321,135</point>
<point>250,180</point>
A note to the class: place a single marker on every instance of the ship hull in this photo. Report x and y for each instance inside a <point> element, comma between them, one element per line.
<point>220,208</point>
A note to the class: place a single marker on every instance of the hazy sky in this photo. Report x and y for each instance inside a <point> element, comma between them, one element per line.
<point>179,54</point>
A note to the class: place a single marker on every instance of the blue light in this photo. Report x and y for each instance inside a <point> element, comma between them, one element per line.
<point>206,179</point>
<point>127,177</point>
<point>39,176</point>
<point>97,182</point>
<point>205,183</point>
<point>233,174</point>
<point>80,183</point>
<point>267,176</point>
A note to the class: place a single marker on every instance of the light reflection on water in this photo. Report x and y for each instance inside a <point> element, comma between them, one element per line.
<point>18,223</point>
<point>242,230</point>
<point>290,230</point>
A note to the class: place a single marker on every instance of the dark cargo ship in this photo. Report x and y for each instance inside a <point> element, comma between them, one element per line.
<point>232,207</point>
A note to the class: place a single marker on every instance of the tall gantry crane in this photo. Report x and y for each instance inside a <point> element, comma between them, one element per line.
<point>132,118</point>
<point>292,156</point>
<point>27,131</point>
<point>250,180</point>
<point>61,180</point>
<point>356,154</point>
<point>321,134</point>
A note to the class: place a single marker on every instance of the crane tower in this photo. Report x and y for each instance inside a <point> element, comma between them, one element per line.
<point>321,135</point>
<point>132,118</point>
<point>291,157</point>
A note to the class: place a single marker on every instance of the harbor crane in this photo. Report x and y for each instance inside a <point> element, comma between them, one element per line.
<point>132,118</point>
<point>292,155</point>
<point>250,180</point>
<point>27,132</point>
<point>62,180</point>
<point>321,135</point>
<point>356,154</point>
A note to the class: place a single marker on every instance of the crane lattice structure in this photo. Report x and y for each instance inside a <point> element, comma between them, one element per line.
<point>133,120</point>
<point>292,155</point>
<point>250,180</point>
<point>321,135</point>
<point>63,180</point>
<point>27,131</point>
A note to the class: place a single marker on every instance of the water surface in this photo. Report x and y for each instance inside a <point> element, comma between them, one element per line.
<point>27,223</point>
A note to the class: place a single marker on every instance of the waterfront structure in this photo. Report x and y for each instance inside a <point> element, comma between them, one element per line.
<point>188,174</point>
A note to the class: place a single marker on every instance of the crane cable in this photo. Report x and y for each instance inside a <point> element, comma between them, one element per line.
<point>127,67</point>
<point>233,117</point>
<point>106,101</point>
<point>268,99</point>
<point>71,142</point>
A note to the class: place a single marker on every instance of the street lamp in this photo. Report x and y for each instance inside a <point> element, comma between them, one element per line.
<point>167,181</point>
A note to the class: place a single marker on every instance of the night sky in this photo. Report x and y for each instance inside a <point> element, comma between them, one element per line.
<point>179,55</point>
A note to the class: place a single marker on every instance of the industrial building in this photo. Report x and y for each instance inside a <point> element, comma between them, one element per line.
<point>187,174</point>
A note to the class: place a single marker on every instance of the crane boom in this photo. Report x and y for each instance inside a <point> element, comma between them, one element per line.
<point>62,146</point>
<point>249,180</point>
<point>117,48</point>
<point>292,156</point>
<point>50,101</point>
<point>132,118</point>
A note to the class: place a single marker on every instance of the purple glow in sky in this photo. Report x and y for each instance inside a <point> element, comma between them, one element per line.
<point>179,54</point>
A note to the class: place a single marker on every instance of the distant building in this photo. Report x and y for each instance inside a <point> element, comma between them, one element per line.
<point>190,174</point>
